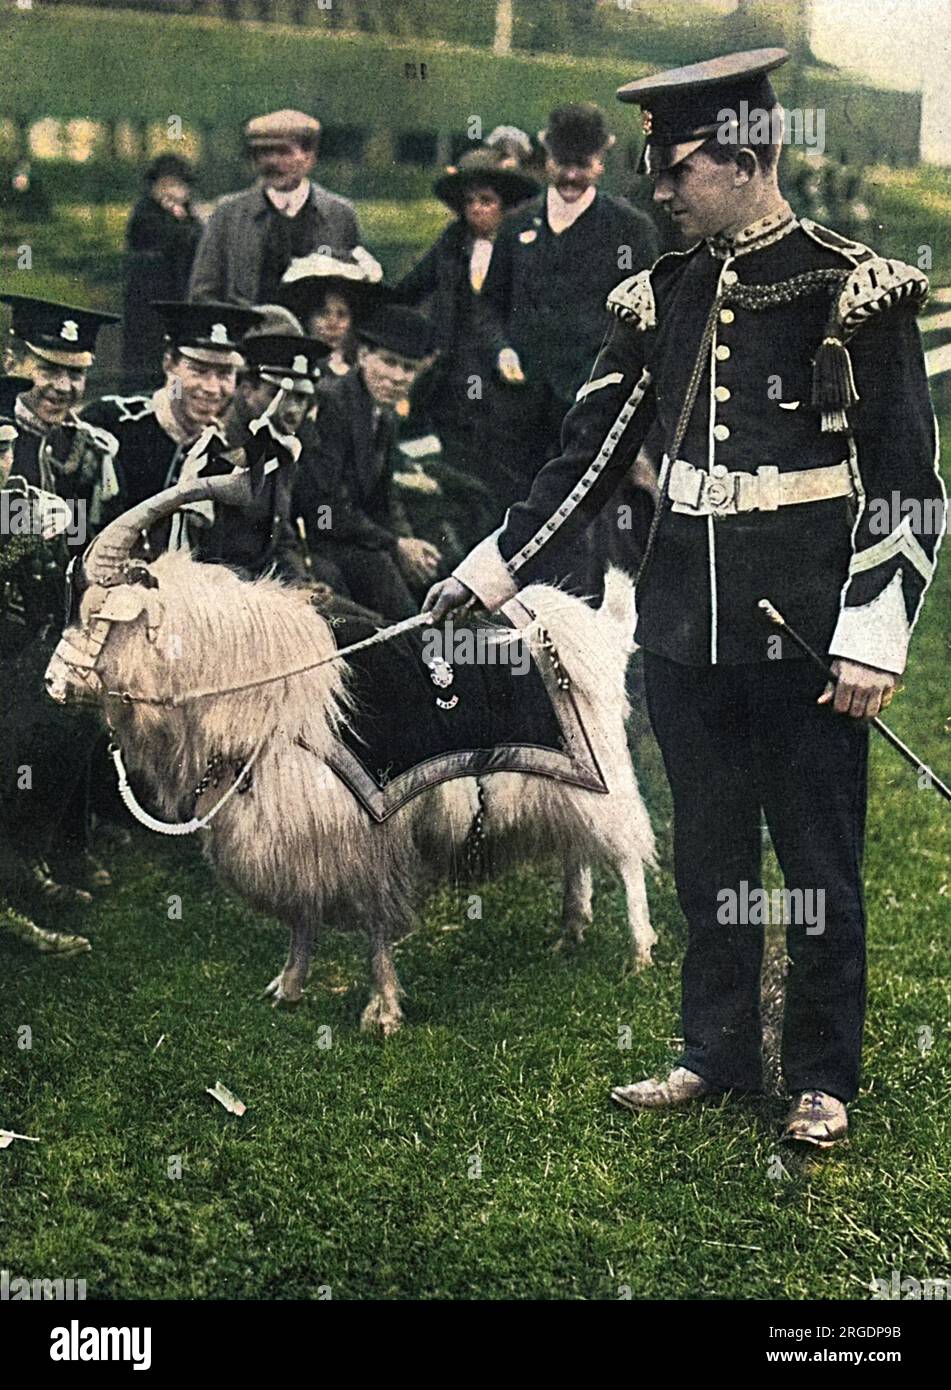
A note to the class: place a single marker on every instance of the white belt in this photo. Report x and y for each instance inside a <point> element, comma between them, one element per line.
<point>694,492</point>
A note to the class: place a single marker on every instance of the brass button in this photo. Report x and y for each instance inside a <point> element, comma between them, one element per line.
<point>719,470</point>
<point>722,352</point>
<point>721,432</point>
<point>727,316</point>
<point>730,277</point>
<point>722,393</point>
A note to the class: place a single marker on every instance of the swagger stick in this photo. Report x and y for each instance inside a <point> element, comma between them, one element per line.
<point>934,780</point>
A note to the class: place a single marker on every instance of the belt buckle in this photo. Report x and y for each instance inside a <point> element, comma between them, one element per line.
<point>719,494</point>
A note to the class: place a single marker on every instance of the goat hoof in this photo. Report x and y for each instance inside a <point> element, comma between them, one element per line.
<point>380,1017</point>
<point>280,996</point>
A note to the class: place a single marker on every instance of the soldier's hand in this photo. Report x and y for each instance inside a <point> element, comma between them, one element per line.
<point>418,558</point>
<point>510,368</point>
<point>448,596</point>
<point>860,691</point>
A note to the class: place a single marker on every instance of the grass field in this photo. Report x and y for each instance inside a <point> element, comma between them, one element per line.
<point>476,1154</point>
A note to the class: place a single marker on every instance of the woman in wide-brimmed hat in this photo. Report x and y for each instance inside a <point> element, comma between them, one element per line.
<point>330,296</point>
<point>450,276</point>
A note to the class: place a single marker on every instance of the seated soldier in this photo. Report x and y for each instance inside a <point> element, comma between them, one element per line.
<point>180,422</point>
<point>264,536</point>
<point>54,345</point>
<point>44,750</point>
<point>359,538</point>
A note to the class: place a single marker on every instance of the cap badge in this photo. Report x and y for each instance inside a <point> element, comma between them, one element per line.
<point>219,333</point>
<point>70,331</point>
<point>300,365</point>
<point>647,122</point>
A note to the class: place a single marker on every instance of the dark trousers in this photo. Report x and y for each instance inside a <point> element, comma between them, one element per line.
<point>371,578</point>
<point>738,741</point>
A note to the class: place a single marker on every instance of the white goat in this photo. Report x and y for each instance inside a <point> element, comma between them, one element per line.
<point>298,845</point>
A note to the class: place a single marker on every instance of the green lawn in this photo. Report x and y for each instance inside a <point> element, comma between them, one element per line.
<point>477,1153</point>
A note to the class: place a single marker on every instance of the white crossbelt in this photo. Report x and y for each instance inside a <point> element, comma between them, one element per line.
<point>694,492</point>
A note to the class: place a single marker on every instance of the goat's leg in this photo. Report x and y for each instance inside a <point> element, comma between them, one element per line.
<point>383,1011</point>
<point>643,936</point>
<point>288,987</point>
<point>576,905</point>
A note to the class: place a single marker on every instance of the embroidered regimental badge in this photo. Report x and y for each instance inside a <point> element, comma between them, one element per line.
<point>219,333</point>
<point>70,331</point>
<point>441,674</point>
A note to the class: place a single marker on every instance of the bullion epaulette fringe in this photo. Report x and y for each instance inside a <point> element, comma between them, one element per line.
<point>633,301</point>
<point>876,285</point>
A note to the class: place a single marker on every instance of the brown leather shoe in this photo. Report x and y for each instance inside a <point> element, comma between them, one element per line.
<point>817,1118</point>
<point>680,1087</point>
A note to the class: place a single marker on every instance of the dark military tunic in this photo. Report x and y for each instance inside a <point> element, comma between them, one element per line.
<point>44,748</point>
<point>835,512</point>
<point>852,587</point>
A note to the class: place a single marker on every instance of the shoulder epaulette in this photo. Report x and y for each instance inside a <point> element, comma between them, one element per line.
<point>633,299</point>
<point>878,284</point>
<point>854,251</point>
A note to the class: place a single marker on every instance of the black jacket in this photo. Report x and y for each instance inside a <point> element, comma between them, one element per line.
<point>442,277</point>
<point>848,573</point>
<point>344,490</point>
<point>544,294</point>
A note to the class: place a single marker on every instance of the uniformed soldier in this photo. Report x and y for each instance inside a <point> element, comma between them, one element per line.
<point>776,369</point>
<point>56,451</point>
<point>265,536</point>
<point>43,751</point>
<point>179,425</point>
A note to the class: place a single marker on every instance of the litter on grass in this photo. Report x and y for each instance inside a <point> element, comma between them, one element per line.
<point>224,1097</point>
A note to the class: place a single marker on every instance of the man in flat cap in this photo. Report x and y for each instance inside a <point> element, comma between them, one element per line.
<point>554,261</point>
<point>54,345</point>
<point>251,237</point>
<point>360,539</point>
<point>775,370</point>
<point>178,425</point>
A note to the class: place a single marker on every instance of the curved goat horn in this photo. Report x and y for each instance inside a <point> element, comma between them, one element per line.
<point>113,546</point>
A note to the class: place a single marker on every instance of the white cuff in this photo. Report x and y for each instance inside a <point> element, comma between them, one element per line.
<point>487,575</point>
<point>877,633</point>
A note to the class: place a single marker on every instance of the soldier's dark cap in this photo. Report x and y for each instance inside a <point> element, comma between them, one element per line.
<point>211,333</point>
<point>397,328</point>
<point>482,169</point>
<point>683,107</point>
<point>287,360</point>
<point>575,132</point>
<point>58,333</point>
<point>10,388</point>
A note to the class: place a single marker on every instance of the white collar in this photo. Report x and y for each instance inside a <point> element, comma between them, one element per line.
<point>290,202</point>
<point>562,215</point>
<point>168,420</point>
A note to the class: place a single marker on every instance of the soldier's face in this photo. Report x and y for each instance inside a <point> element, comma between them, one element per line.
<point>282,166</point>
<point>483,211</point>
<point>289,416</point>
<point>699,195</point>
<point>388,376</point>
<point>200,391</point>
<point>573,180</point>
<point>56,390</point>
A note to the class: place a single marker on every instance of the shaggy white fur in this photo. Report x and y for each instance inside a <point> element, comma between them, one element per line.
<point>299,846</point>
